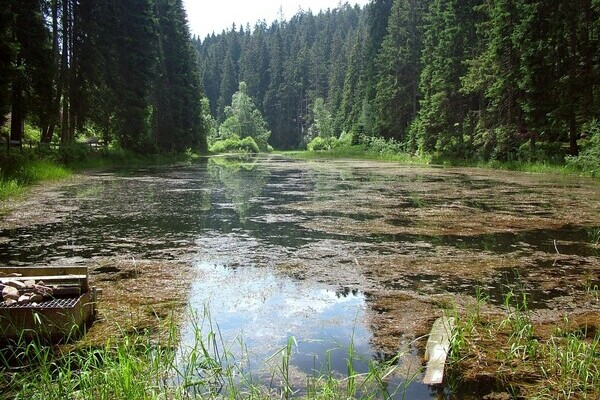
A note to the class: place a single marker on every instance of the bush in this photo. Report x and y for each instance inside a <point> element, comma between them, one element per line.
<point>346,139</point>
<point>248,144</point>
<point>74,152</point>
<point>589,158</point>
<point>383,146</point>
<point>234,144</point>
<point>542,152</point>
<point>320,143</point>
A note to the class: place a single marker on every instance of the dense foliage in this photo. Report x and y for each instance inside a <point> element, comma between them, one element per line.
<point>478,79</point>
<point>124,68</point>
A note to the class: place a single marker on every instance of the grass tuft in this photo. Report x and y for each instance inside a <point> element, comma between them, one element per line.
<point>525,358</point>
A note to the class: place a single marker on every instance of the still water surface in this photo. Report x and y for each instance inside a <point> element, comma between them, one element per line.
<point>330,253</point>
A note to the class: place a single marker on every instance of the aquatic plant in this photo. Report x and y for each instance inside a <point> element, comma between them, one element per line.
<point>594,235</point>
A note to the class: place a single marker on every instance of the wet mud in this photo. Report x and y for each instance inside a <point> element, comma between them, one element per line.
<point>375,247</point>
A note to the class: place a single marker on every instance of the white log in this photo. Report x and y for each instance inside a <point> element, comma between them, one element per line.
<point>437,349</point>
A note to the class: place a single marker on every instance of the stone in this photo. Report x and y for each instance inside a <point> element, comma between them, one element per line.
<point>9,302</point>
<point>30,284</point>
<point>24,299</point>
<point>35,298</point>
<point>16,284</point>
<point>42,290</point>
<point>10,293</point>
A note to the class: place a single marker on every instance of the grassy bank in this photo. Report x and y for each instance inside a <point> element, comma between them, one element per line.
<point>359,152</point>
<point>21,169</point>
<point>16,174</point>
<point>527,358</point>
<point>362,152</point>
<point>141,367</point>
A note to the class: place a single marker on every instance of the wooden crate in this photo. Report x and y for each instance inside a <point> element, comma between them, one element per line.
<point>56,319</point>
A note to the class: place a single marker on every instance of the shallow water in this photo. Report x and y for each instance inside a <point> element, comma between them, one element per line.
<point>328,252</point>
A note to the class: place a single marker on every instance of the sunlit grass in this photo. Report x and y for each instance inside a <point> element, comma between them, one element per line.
<point>358,152</point>
<point>23,173</point>
<point>564,364</point>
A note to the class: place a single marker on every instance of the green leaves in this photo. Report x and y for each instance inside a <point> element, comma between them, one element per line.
<point>245,121</point>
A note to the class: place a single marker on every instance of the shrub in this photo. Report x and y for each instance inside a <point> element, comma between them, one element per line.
<point>383,146</point>
<point>74,152</point>
<point>346,139</point>
<point>589,158</point>
<point>320,143</point>
<point>234,144</point>
<point>248,144</point>
<point>542,152</point>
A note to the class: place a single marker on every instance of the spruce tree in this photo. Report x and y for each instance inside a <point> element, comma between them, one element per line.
<point>398,69</point>
<point>177,97</point>
<point>448,41</point>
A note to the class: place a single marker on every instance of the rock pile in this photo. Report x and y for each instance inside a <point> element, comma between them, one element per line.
<point>24,292</point>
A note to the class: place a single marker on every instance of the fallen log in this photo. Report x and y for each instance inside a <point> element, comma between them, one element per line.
<point>437,349</point>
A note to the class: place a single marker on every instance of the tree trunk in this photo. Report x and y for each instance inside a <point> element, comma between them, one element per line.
<point>65,73</point>
<point>17,122</point>
<point>572,117</point>
<point>48,131</point>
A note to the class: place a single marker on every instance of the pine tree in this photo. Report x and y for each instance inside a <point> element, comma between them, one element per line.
<point>8,51</point>
<point>136,66</point>
<point>31,70</point>
<point>177,96</point>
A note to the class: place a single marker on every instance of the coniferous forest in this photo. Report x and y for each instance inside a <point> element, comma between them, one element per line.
<point>479,79</point>
<point>125,69</point>
<point>476,79</point>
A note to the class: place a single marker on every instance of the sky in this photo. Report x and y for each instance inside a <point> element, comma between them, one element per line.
<point>205,17</point>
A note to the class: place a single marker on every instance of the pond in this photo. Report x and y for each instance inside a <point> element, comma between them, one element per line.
<point>335,254</point>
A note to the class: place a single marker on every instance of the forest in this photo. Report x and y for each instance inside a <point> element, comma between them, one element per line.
<point>479,79</point>
<point>121,71</point>
<point>474,80</point>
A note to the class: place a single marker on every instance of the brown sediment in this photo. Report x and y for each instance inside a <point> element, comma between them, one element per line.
<point>138,297</point>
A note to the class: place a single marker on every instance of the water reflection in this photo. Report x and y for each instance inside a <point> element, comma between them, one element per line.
<point>264,310</point>
<point>241,179</point>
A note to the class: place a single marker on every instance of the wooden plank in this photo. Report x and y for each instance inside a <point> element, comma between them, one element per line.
<point>38,271</point>
<point>47,274</point>
<point>46,279</point>
<point>437,349</point>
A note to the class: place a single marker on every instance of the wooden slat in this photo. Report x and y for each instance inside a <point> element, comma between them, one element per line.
<point>46,279</point>
<point>43,271</point>
<point>437,349</point>
<point>78,273</point>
